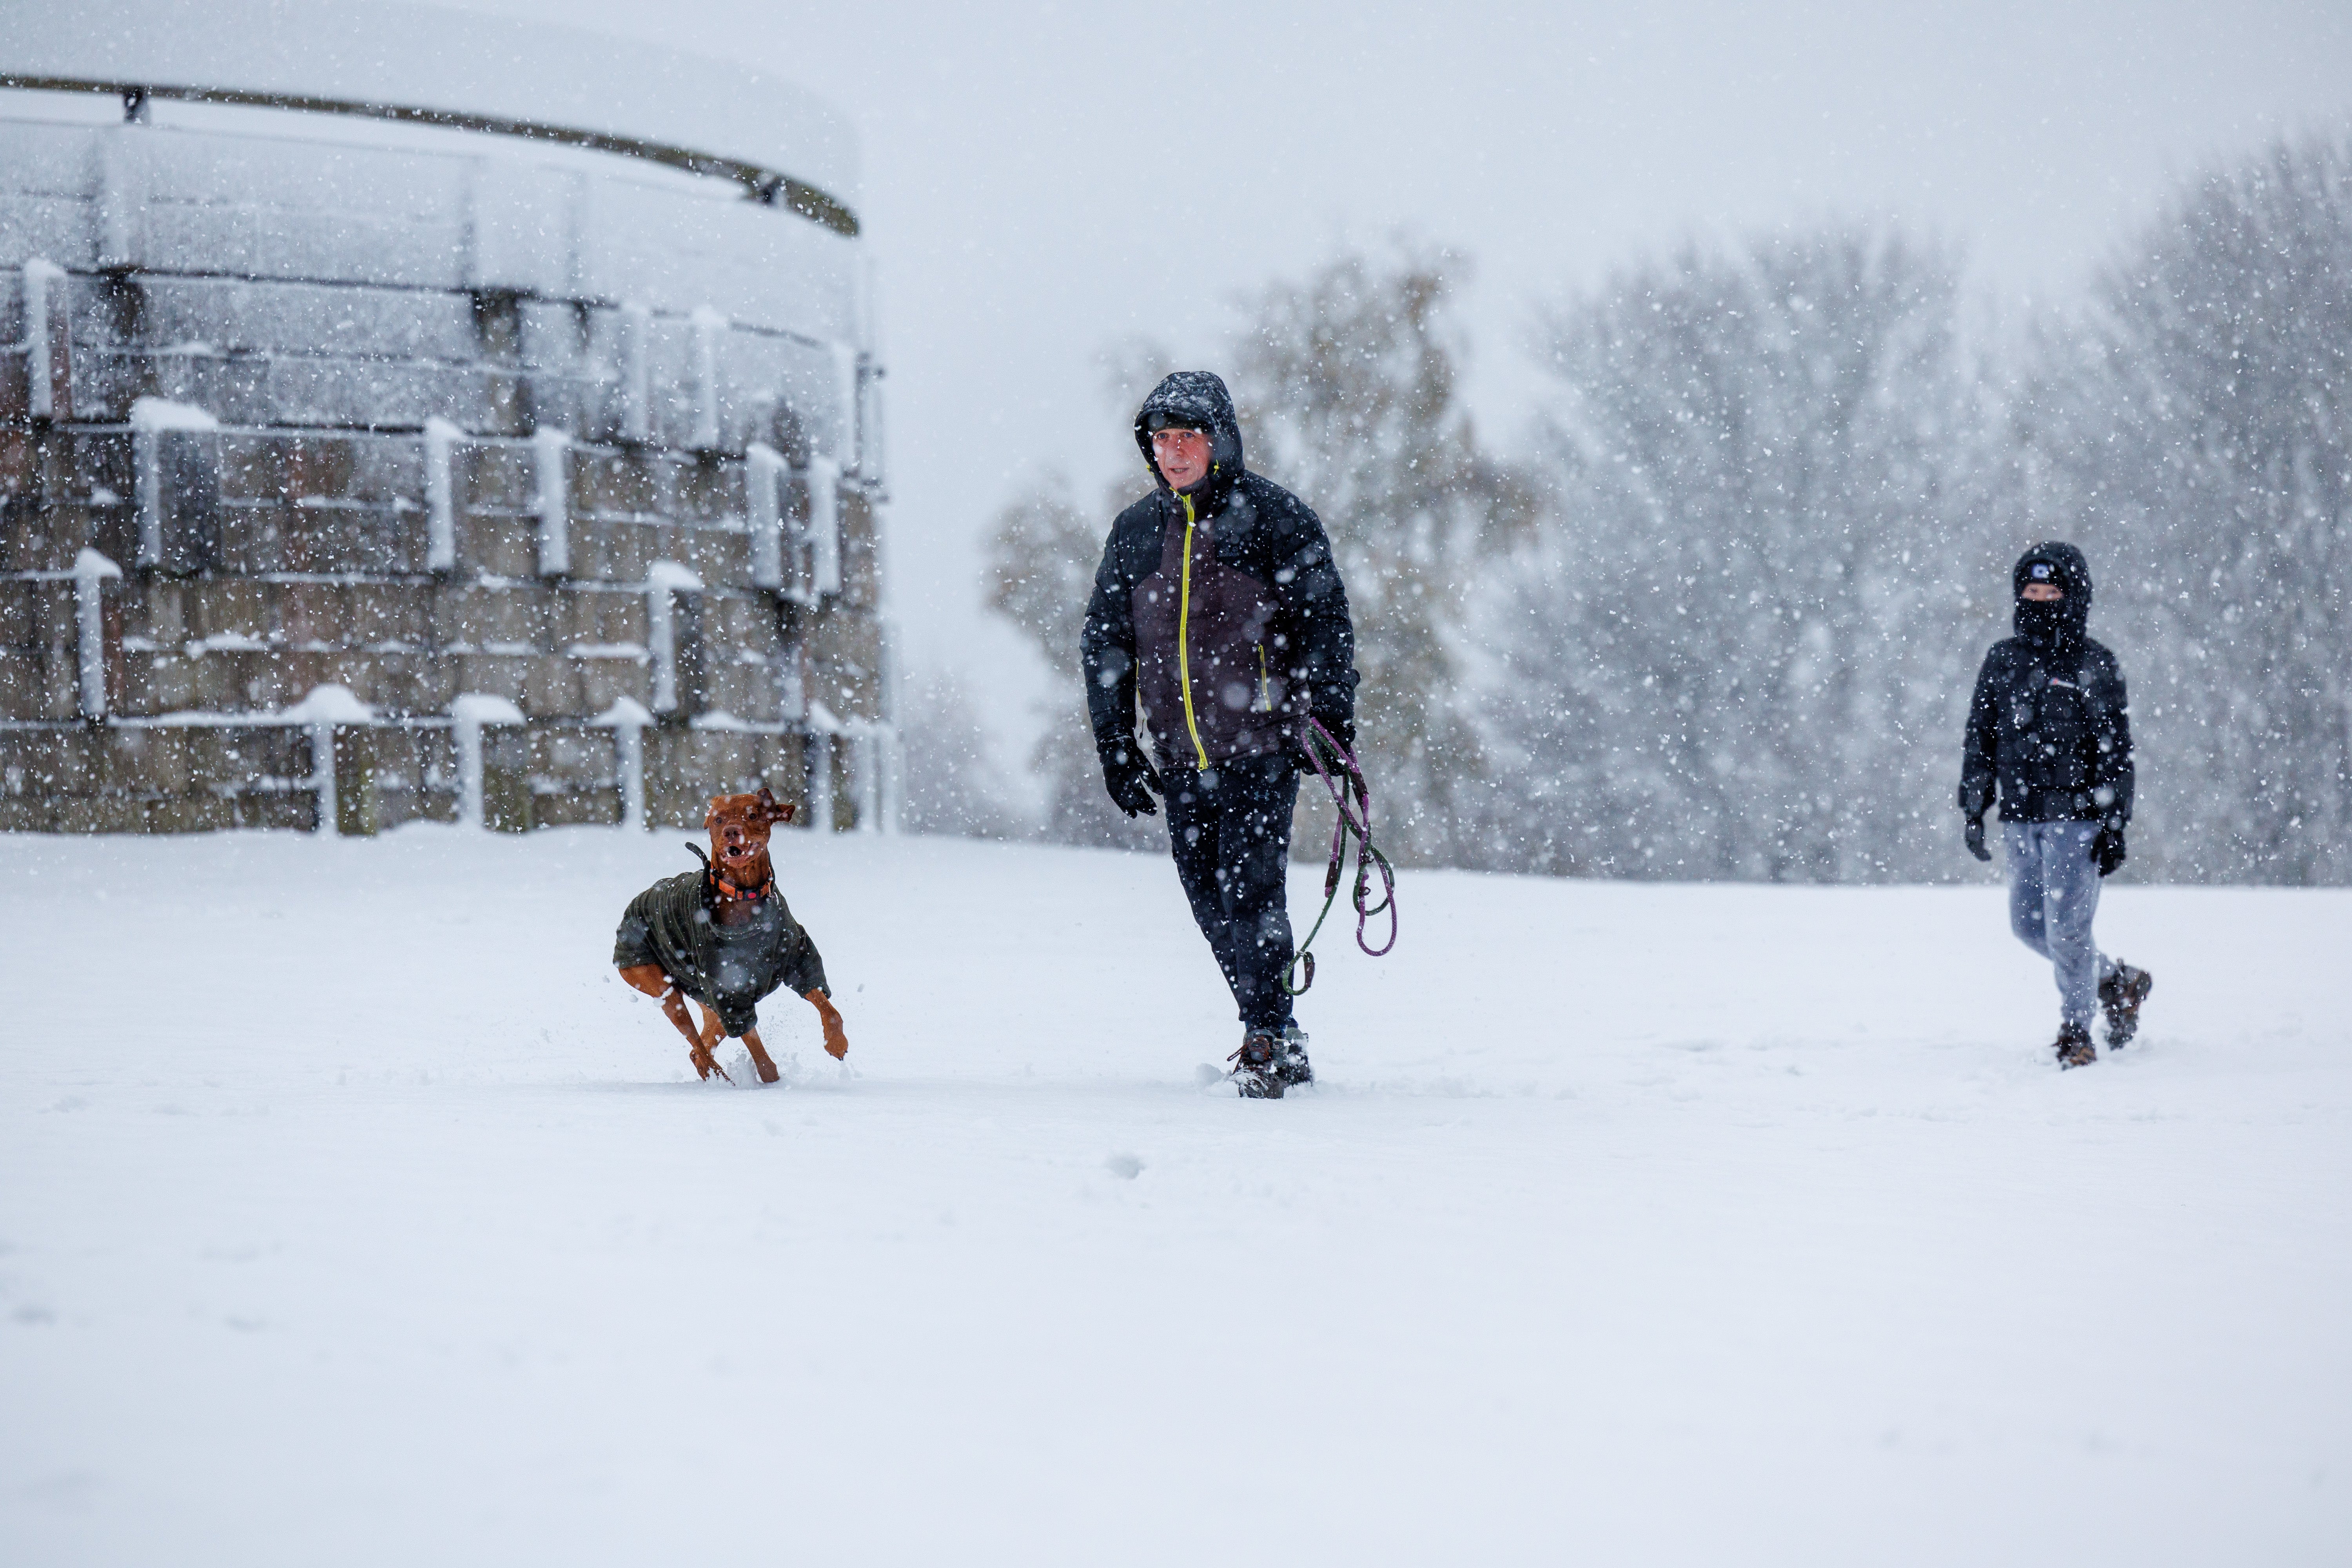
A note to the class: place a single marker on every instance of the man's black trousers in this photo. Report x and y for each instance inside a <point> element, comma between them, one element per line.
<point>1229,827</point>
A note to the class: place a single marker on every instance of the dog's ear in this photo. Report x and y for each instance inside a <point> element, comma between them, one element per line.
<point>784,812</point>
<point>770,809</point>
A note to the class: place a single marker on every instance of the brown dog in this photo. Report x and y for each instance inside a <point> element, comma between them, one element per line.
<point>725,937</point>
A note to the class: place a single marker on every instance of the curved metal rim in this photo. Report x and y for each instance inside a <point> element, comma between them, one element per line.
<point>770,187</point>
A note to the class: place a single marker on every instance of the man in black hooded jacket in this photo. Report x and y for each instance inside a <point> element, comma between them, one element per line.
<point>2049,725</point>
<point>1218,606</point>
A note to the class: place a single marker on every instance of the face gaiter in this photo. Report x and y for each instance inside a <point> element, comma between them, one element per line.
<point>2041,622</point>
<point>2054,627</point>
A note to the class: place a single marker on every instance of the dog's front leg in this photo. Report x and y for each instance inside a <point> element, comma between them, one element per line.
<point>651,979</point>
<point>760,1061</point>
<point>698,1050</point>
<point>837,1043</point>
<point>706,1043</point>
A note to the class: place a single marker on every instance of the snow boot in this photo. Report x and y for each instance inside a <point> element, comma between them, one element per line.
<point>1290,1064</point>
<point>2120,995</point>
<point>1256,1065</point>
<point>2075,1048</point>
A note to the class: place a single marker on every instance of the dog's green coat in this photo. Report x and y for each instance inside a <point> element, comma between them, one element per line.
<point>727,969</point>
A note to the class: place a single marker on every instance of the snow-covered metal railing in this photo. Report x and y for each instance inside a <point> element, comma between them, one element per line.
<point>627,721</point>
<point>157,426</point>
<point>441,440</point>
<point>764,479</point>
<point>321,712</point>
<point>547,369</point>
<point>551,477</point>
<point>709,327</point>
<point>91,572</point>
<point>665,580</point>
<point>471,712</point>
<point>393,61</point>
<point>632,368</point>
<point>46,333</point>
<point>824,525</point>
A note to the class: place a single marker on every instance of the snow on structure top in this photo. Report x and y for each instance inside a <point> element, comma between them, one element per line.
<point>558,475</point>
<point>422,63</point>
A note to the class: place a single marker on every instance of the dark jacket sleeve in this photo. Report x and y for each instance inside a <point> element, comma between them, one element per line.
<point>1107,646</point>
<point>1315,602</point>
<point>1981,744</point>
<point>2112,775</point>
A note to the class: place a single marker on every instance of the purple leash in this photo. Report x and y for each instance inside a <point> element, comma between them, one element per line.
<point>1351,815</point>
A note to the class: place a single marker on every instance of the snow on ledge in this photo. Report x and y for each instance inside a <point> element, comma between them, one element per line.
<point>627,712</point>
<point>328,704</point>
<point>670,575</point>
<point>162,414</point>
<point>480,708</point>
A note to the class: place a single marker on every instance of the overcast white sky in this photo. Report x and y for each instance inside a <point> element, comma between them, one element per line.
<point>1042,179</point>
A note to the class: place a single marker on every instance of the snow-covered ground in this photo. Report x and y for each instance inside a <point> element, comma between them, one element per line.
<point>352,1213</point>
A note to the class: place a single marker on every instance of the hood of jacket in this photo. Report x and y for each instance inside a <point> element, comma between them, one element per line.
<point>2060,626</point>
<point>1198,396</point>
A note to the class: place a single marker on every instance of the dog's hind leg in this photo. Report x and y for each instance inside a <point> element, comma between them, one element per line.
<point>766,1068</point>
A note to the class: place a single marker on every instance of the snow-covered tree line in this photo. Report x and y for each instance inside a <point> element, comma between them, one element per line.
<point>1721,620</point>
<point>2197,432</point>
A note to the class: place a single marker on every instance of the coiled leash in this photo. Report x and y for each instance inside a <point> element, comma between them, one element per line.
<point>1351,815</point>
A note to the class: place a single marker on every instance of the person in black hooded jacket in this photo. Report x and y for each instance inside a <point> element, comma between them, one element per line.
<point>2049,727</point>
<point>1219,608</point>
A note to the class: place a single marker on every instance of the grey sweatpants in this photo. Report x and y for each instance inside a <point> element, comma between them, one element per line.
<point>2053,891</point>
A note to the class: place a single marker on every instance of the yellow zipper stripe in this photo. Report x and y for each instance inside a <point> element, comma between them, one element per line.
<point>1264,687</point>
<point>1184,636</point>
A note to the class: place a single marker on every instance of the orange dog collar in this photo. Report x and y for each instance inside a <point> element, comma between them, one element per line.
<point>728,889</point>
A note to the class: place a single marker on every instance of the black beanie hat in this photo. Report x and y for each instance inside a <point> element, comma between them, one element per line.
<point>2055,561</point>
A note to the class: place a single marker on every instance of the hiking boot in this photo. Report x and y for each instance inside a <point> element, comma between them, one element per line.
<point>1290,1063</point>
<point>2120,995</point>
<point>1257,1066</point>
<point>2074,1047</point>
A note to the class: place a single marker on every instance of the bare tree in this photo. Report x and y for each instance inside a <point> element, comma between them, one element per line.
<point>953,784</point>
<point>1346,385</point>
<point>1042,562</point>
<point>1740,649</point>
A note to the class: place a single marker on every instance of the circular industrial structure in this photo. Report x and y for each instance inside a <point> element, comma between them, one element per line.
<point>415,415</point>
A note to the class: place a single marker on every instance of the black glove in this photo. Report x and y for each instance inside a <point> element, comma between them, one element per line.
<point>2107,848</point>
<point>1974,836</point>
<point>1297,739</point>
<point>1130,776</point>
